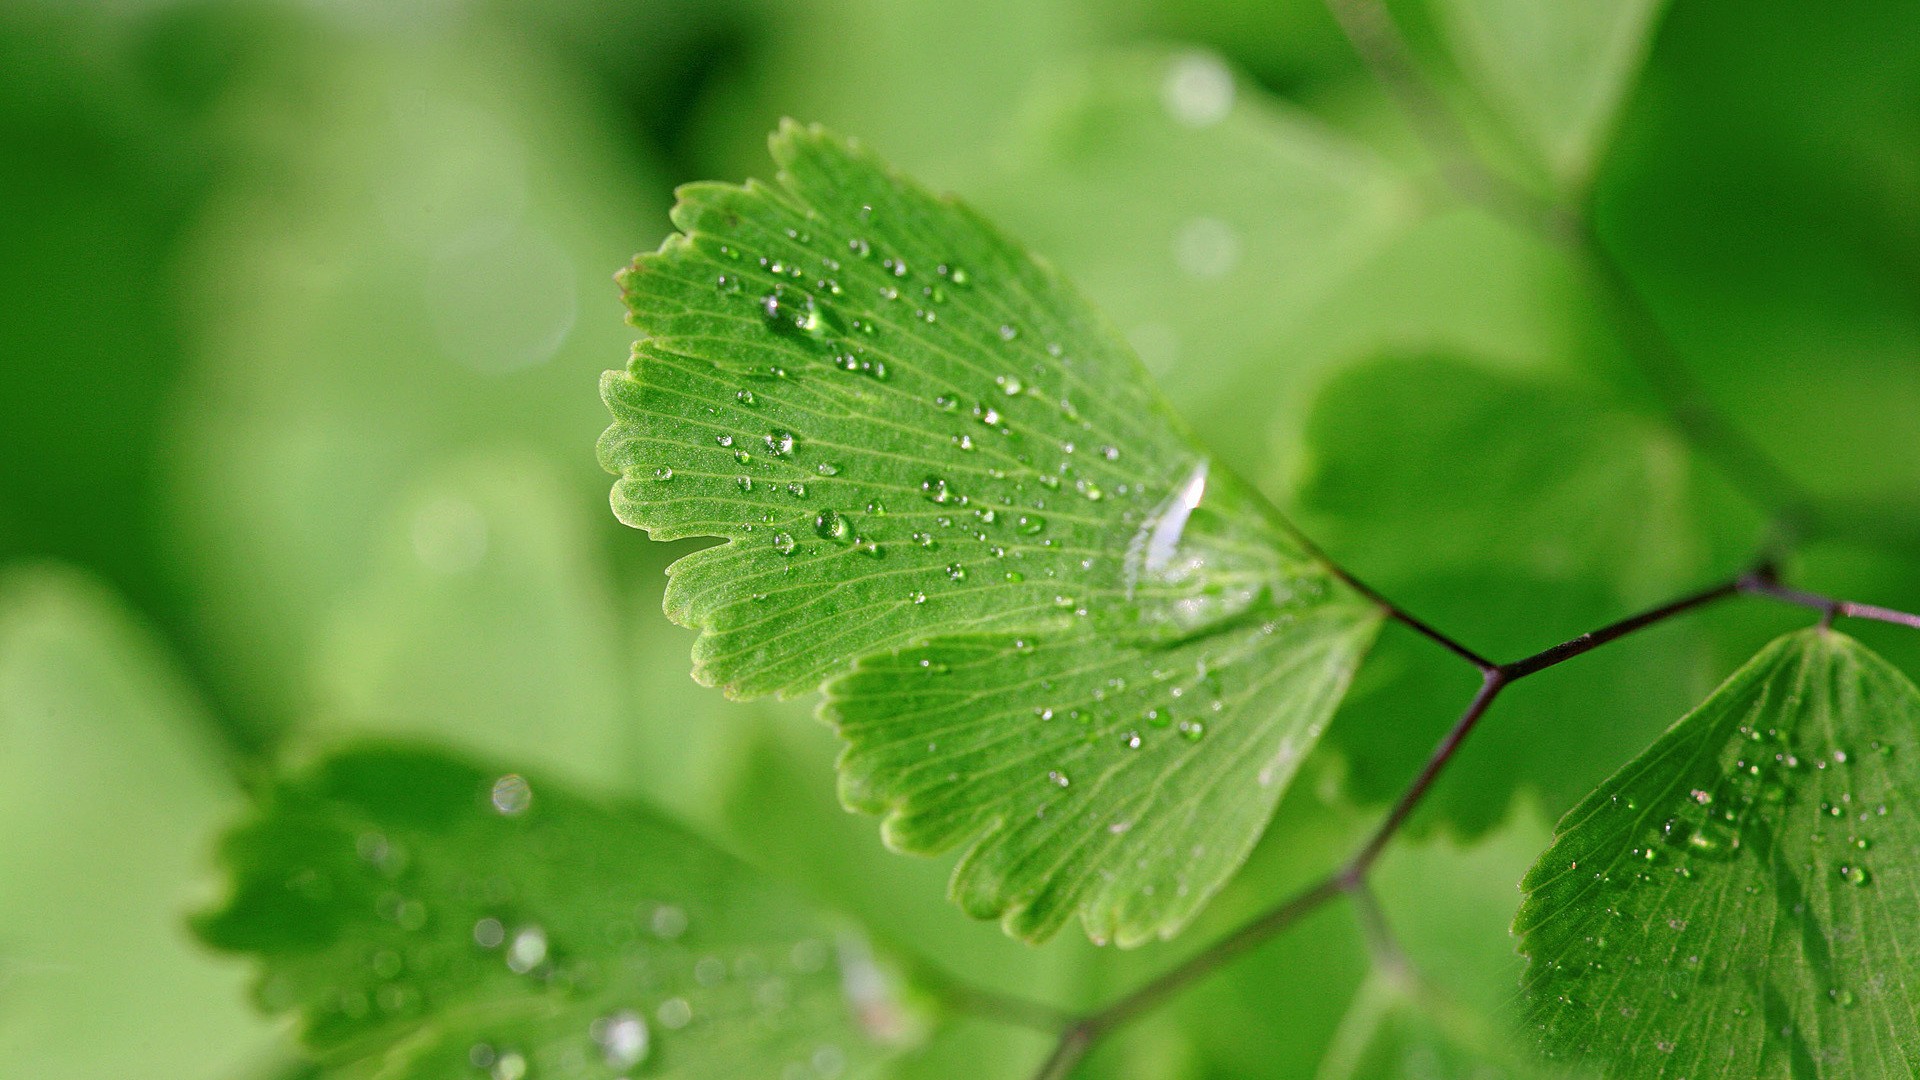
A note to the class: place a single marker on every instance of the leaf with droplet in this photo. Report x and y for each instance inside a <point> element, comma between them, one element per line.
<point>1556,72</point>
<point>109,787</point>
<point>1085,651</point>
<point>1739,900</point>
<point>428,918</point>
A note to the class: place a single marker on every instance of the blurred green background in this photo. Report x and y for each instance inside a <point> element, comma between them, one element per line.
<point>304,303</point>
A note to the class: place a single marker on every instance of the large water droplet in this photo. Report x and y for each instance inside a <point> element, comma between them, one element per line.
<point>831,526</point>
<point>512,795</point>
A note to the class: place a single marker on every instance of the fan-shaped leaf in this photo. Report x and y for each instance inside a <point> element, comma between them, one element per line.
<point>1080,637</point>
<point>1740,901</point>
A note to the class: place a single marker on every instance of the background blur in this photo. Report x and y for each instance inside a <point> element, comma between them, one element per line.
<point>302,306</point>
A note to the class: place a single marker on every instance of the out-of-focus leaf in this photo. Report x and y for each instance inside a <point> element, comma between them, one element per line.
<point>1556,71</point>
<point>1739,900</point>
<point>404,277</point>
<point>110,798</point>
<point>1764,197</point>
<point>933,86</point>
<point>486,622</point>
<point>426,918</point>
<point>907,427</point>
<point>1514,514</point>
<point>1205,218</point>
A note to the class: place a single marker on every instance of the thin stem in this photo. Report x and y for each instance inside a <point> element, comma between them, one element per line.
<point>1390,609</point>
<point>1490,686</point>
<point>1078,1038</point>
<point>1767,585</point>
<point>1385,948</point>
<point>1593,639</point>
<point>1370,29</point>
<point>978,1001</point>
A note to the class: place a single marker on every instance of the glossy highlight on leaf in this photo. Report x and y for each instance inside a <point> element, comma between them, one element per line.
<point>429,918</point>
<point>1740,901</point>
<point>1081,644</point>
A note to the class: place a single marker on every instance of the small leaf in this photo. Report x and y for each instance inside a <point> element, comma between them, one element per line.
<point>427,918</point>
<point>109,794</point>
<point>1083,643</point>
<point>1739,900</point>
<point>1556,71</point>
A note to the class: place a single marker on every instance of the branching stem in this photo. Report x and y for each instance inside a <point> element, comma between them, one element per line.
<point>1078,1036</point>
<point>1370,29</point>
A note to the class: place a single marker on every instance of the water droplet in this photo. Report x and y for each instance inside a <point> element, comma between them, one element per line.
<point>797,490</point>
<point>1008,332</point>
<point>509,1066</point>
<point>744,483</point>
<point>1010,385</point>
<point>1198,90</point>
<point>623,1039</point>
<point>831,526</point>
<point>783,543</point>
<point>964,442</point>
<point>1058,778</point>
<point>780,442</point>
<point>512,795</point>
<point>745,397</point>
<point>917,597</point>
<point>1192,730</point>
<point>527,950</point>
<point>1858,876</point>
<point>1131,740</point>
<point>1032,524</point>
<point>956,571</point>
<point>1206,248</point>
<point>723,440</point>
<point>489,933</point>
<point>827,468</point>
<point>674,1013</point>
<point>663,474</point>
<point>936,490</point>
<point>1091,491</point>
<point>668,922</point>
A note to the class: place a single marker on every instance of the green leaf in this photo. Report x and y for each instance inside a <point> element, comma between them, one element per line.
<point>1083,646</point>
<point>1739,900</point>
<point>1557,72</point>
<point>1514,512</point>
<point>427,918</point>
<point>109,790</point>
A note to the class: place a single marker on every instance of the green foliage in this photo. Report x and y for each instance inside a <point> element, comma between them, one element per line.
<point>426,918</point>
<point>928,454</point>
<point>302,299</point>
<point>1557,72</point>
<point>1514,512</point>
<point>1737,902</point>
<point>108,812</point>
<point>1207,220</point>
